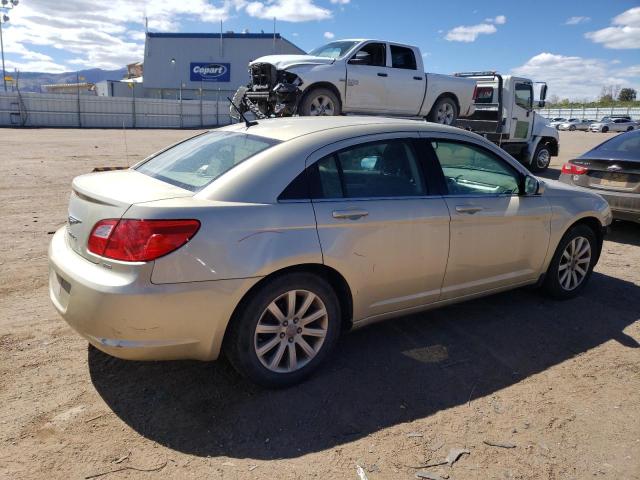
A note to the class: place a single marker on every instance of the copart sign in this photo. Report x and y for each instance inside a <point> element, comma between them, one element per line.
<point>210,72</point>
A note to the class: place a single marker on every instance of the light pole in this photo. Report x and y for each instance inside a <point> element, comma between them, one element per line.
<point>5,6</point>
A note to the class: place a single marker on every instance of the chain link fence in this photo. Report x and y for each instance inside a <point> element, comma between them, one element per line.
<point>85,111</point>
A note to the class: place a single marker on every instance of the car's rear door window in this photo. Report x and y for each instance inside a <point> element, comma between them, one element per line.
<point>195,163</point>
<point>403,57</point>
<point>471,170</point>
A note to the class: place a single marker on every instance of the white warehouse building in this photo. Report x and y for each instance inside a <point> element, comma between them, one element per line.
<point>180,65</point>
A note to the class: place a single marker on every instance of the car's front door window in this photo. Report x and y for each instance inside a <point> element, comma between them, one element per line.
<point>471,170</point>
<point>372,170</point>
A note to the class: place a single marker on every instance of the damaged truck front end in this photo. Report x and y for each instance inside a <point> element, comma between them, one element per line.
<point>270,93</point>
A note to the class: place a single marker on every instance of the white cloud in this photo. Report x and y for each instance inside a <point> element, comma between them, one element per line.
<point>499,20</point>
<point>469,33</point>
<point>288,10</point>
<point>576,77</point>
<point>329,35</point>
<point>577,20</point>
<point>624,32</point>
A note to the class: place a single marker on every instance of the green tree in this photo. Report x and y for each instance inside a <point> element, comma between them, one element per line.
<point>627,95</point>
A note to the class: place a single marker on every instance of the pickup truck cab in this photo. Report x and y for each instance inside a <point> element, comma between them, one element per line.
<point>504,114</point>
<point>354,76</point>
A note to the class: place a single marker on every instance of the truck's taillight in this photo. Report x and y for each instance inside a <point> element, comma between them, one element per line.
<point>140,240</point>
<point>572,169</point>
<point>475,92</point>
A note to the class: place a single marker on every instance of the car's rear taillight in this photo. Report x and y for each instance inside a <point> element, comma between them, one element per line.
<point>140,240</point>
<point>475,92</point>
<point>572,169</point>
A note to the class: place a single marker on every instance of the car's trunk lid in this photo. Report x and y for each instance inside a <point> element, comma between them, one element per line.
<point>607,174</point>
<point>99,196</point>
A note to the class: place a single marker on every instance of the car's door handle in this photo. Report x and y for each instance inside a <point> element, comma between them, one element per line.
<point>470,209</point>
<point>380,74</point>
<point>417,78</point>
<point>353,214</point>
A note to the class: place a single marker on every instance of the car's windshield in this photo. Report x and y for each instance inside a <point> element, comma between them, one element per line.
<point>333,49</point>
<point>195,163</point>
<point>626,143</point>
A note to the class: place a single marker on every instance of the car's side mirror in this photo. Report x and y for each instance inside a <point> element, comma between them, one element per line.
<point>361,58</point>
<point>542,103</point>
<point>533,186</point>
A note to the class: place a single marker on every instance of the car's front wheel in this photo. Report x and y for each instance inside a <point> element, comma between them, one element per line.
<point>541,159</point>
<point>572,263</point>
<point>320,102</point>
<point>605,129</point>
<point>284,330</point>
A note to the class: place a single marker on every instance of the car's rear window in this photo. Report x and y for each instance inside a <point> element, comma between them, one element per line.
<point>195,163</point>
<point>625,143</point>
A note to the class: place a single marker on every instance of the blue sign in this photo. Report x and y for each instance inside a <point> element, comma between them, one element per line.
<point>210,72</point>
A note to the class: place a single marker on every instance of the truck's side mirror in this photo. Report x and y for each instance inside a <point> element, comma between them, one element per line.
<point>361,58</point>
<point>543,96</point>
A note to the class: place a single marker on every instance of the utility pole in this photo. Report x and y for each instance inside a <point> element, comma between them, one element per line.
<point>5,6</point>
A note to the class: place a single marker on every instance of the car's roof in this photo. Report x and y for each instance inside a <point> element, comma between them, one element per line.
<point>292,127</point>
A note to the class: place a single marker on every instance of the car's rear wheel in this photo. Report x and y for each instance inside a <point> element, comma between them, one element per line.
<point>445,112</point>
<point>572,128</point>
<point>320,102</point>
<point>572,263</point>
<point>284,330</point>
<point>629,128</point>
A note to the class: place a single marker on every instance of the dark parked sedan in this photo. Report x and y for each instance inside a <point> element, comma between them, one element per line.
<point>612,169</point>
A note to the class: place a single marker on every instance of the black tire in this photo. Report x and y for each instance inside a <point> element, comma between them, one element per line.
<point>629,129</point>
<point>552,284</point>
<point>572,128</point>
<point>605,129</point>
<point>440,112</point>
<point>541,158</point>
<point>239,346</point>
<point>320,97</point>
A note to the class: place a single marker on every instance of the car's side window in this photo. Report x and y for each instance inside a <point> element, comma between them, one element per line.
<point>524,96</point>
<point>471,170</point>
<point>377,54</point>
<point>371,170</point>
<point>403,57</point>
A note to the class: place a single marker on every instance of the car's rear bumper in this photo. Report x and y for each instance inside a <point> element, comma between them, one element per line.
<point>119,310</point>
<point>624,205</point>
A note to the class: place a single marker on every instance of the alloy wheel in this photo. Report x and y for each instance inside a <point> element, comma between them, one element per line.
<point>445,114</point>
<point>322,105</point>
<point>291,331</point>
<point>574,263</point>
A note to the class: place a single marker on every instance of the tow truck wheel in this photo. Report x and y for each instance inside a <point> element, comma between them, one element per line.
<point>445,112</point>
<point>320,102</point>
<point>541,159</point>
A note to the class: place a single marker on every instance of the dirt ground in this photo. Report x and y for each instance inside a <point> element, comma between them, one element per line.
<point>558,381</point>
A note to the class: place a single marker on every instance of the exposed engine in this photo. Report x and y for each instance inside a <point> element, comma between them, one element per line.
<point>270,93</point>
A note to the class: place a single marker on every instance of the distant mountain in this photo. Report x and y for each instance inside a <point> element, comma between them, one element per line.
<point>32,81</point>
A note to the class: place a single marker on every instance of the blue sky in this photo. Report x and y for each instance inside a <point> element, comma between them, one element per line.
<point>577,46</point>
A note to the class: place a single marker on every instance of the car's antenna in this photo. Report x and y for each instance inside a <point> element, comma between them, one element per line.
<point>247,122</point>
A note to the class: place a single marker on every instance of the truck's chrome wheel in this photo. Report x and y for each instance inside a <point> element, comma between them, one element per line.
<point>291,331</point>
<point>574,263</point>
<point>543,159</point>
<point>445,114</point>
<point>322,105</point>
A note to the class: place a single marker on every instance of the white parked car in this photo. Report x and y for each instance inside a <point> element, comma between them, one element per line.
<point>614,124</point>
<point>354,76</point>
<point>575,124</point>
<point>555,122</point>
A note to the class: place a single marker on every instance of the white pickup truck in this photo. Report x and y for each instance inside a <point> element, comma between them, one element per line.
<point>354,76</point>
